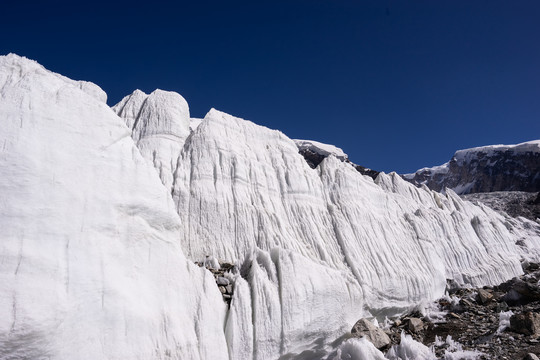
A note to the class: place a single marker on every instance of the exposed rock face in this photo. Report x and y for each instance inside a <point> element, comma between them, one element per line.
<point>315,152</point>
<point>377,336</point>
<point>486,169</point>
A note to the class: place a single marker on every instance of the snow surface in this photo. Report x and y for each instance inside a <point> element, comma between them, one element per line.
<point>467,154</point>
<point>320,148</point>
<point>92,240</point>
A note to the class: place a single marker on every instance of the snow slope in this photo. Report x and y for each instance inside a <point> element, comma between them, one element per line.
<point>91,265</point>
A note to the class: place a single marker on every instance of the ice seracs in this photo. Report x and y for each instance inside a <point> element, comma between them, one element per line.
<point>321,247</point>
<point>159,125</point>
<point>91,264</point>
<point>93,239</point>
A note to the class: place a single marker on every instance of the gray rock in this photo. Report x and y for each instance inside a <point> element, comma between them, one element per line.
<point>229,289</point>
<point>415,325</point>
<point>530,356</point>
<point>484,296</point>
<point>377,336</point>
<point>222,289</point>
<point>222,281</point>
<point>527,323</point>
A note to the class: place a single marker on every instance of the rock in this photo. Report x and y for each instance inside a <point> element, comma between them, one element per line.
<point>520,292</point>
<point>530,356</point>
<point>527,323</point>
<point>415,325</point>
<point>229,289</point>
<point>502,306</point>
<point>222,281</point>
<point>454,315</point>
<point>484,296</point>
<point>226,266</point>
<point>377,336</point>
<point>222,289</point>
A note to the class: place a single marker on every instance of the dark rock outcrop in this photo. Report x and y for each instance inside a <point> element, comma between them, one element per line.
<point>485,169</point>
<point>314,159</point>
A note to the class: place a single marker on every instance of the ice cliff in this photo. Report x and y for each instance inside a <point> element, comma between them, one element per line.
<point>101,207</point>
<point>91,266</point>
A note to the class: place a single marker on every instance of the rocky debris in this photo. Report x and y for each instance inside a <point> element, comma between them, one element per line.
<point>376,335</point>
<point>522,290</point>
<point>527,323</point>
<point>223,283</point>
<point>474,321</point>
<point>514,203</point>
<point>220,280</point>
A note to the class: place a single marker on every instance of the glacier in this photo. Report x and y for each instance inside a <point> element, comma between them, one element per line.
<point>105,209</point>
<point>91,267</point>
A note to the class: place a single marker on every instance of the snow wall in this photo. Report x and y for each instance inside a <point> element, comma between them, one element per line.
<point>99,207</point>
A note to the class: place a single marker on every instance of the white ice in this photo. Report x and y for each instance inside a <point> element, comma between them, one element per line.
<point>93,241</point>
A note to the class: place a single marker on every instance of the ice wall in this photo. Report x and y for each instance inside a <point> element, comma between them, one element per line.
<point>92,240</point>
<point>320,248</point>
<point>91,266</point>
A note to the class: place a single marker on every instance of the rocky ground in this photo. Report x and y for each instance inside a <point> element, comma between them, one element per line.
<point>478,319</point>
<point>500,322</point>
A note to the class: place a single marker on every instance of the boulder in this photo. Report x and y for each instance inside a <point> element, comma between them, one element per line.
<point>364,328</point>
<point>527,323</point>
<point>530,356</point>
<point>415,325</point>
<point>222,281</point>
<point>484,296</point>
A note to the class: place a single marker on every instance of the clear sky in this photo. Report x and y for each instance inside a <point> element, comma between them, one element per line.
<point>398,85</point>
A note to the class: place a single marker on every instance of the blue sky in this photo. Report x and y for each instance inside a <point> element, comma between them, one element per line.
<point>398,85</point>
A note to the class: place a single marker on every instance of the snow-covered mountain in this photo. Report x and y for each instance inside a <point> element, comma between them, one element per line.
<point>485,169</point>
<point>104,211</point>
